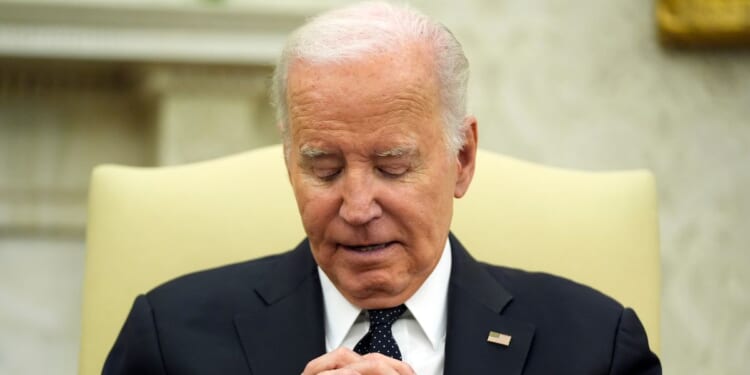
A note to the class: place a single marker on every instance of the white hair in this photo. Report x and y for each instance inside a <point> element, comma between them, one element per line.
<point>350,33</point>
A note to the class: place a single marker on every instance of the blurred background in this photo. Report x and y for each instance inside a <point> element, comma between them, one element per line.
<point>572,83</point>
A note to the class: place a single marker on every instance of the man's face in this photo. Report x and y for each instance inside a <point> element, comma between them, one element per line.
<point>373,179</point>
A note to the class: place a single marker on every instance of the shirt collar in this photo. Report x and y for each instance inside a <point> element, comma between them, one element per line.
<point>428,305</point>
<point>340,314</point>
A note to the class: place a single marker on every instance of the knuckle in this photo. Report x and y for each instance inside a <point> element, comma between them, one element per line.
<point>374,356</point>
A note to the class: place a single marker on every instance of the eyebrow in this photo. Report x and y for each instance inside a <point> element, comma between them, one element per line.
<point>397,151</point>
<point>310,152</point>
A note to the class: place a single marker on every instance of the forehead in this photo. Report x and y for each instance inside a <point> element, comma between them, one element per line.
<point>396,84</point>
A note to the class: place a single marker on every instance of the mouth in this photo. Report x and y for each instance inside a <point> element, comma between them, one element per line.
<point>367,248</point>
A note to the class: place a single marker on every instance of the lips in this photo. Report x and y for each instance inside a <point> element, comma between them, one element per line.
<point>367,248</point>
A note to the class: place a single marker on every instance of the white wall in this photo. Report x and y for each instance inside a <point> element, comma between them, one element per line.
<point>40,298</point>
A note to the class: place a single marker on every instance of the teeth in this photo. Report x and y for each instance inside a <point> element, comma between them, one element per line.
<point>369,248</point>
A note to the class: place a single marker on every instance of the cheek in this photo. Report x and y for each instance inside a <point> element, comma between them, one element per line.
<point>317,210</point>
<point>426,211</point>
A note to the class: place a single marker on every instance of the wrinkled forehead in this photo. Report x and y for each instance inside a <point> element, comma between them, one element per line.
<point>400,78</point>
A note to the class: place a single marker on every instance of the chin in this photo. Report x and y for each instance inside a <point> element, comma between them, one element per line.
<point>380,295</point>
<point>379,302</point>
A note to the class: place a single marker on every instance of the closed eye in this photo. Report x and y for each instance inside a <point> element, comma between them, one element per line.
<point>326,174</point>
<point>393,171</point>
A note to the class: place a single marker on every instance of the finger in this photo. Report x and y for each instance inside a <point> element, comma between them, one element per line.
<point>402,367</point>
<point>372,368</point>
<point>330,361</point>
<point>378,364</point>
<point>341,371</point>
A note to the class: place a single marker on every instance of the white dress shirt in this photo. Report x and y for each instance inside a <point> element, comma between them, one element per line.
<point>419,333</point>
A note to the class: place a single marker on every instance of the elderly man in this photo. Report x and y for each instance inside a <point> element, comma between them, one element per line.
<point>371,102</point>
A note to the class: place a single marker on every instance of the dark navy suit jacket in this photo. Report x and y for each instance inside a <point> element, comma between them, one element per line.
<point>265,317</point>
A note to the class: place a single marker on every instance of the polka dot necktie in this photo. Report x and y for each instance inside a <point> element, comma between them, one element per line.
<point>379,339</point>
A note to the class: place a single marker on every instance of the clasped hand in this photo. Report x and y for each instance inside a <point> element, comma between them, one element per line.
<point>343,361</point>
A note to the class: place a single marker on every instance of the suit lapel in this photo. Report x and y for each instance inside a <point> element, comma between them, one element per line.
<point>475,304</point>
<point>285,333</point>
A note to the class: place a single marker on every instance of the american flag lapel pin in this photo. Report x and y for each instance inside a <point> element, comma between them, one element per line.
<point>499,338</point>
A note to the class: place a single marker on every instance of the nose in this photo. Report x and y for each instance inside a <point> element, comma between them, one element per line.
<point>359,205</point>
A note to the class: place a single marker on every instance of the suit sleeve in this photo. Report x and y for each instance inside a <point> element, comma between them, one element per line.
<point>136,350</point>
<point>632,355</point>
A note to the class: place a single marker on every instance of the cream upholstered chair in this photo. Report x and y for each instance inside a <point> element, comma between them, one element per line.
<point>147,225</point>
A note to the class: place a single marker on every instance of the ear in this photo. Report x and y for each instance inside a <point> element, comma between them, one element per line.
<point>466,158</point>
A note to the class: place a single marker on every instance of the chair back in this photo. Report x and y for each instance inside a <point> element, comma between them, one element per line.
<point>148,225</point>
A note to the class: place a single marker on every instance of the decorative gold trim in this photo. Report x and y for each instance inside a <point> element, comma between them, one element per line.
<point>704,22</point>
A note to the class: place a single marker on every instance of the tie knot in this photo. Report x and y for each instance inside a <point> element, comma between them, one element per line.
<point>379,339</point>
<point>385,317</point>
